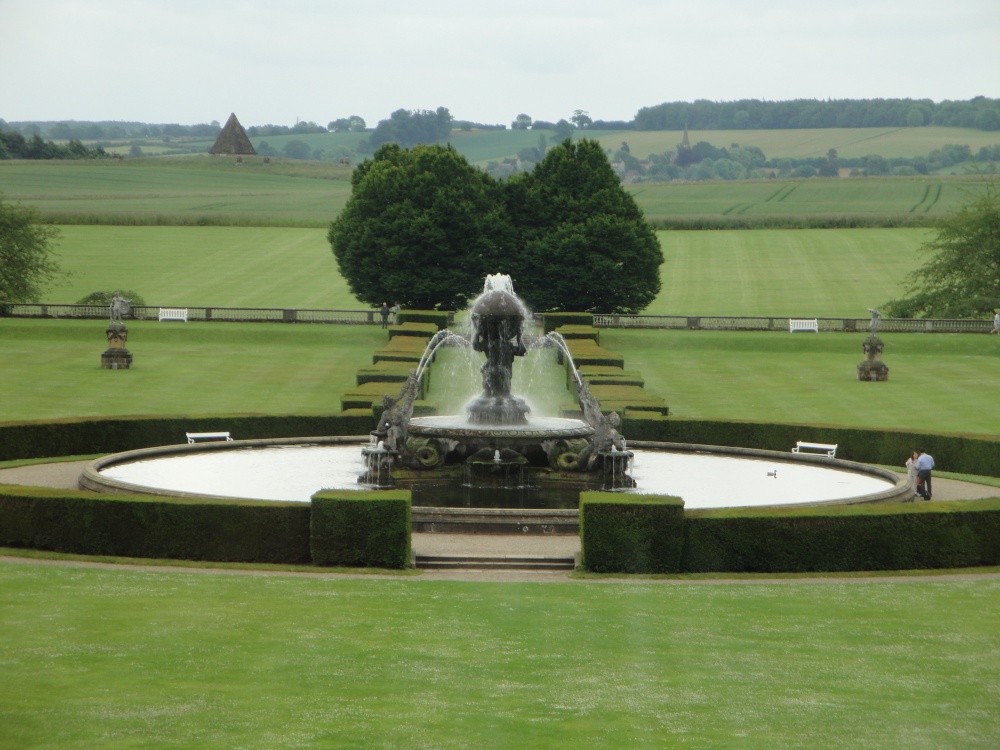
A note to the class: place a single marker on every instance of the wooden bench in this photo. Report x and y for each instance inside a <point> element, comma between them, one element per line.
<point>830,450</point>
<point>803,324</point>
<point>173,313</point>
<point>194,437</point>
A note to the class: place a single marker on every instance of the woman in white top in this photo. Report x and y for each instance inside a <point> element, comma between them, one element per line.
<point>911,472</point>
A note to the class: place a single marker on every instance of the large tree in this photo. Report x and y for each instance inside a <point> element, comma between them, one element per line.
<point>422,227</point>
<point>962,278</point>
<point>27,263</point>
<point>584,243</point>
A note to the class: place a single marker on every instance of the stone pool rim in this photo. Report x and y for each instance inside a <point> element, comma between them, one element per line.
<point>91,478</point>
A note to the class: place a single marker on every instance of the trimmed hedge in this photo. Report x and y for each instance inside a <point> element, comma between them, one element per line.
<point>630,533</point>
<point>553,320</point>
<point>958,453</point>
<point>88,523</point>
<point>438,318</point>
<point>418,330</point>
<point>78,437</point>
<point>580,332</point>
<point>889,536</point>
<point>361,529</point>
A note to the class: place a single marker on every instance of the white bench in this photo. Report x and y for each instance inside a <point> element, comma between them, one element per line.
<point>830,450</point>
<point>173,313</point>
<point>803,324</point>
<point>196,436</point>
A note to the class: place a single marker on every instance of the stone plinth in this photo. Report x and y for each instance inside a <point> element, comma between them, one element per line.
<point>116,356</point>
<point>873,368</point>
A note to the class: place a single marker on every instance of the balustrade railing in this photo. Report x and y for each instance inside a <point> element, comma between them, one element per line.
<point>371,317</point>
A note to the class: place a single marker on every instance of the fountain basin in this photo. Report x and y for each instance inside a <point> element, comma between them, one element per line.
<point>294,469</point>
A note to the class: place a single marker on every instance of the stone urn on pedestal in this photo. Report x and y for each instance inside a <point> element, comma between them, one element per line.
<point>116,356</point>
<point>872,367</point>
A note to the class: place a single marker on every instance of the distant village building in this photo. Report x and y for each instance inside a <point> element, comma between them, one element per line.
<point>233,140</point>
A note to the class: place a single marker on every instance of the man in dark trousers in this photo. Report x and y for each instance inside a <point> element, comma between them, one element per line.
<point>384,312</point>
<point>925,462</point>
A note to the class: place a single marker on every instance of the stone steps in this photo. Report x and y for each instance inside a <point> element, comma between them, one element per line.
<point>493,562</point>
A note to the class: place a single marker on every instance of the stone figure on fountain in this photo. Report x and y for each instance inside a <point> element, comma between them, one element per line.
<point>606,438</point>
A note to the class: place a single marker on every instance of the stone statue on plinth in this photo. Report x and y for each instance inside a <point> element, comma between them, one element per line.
<point>873,368</point>
<point>116,356</point>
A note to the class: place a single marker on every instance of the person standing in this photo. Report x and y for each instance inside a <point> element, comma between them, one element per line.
<point>996,322</point>
<point>384,312</point>
<point>395,313</point>
<point>925,462</point>
<point>911,472</point>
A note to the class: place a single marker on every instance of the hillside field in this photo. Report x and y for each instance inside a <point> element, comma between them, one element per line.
<point>202,190</point>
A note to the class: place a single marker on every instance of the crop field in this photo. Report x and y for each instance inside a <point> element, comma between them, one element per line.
<point>482,146</point>
<point>198,190</point>
<point>183,190</point>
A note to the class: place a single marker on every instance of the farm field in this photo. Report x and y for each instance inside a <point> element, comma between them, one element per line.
<point>199,190</point>
<point>127,658</point>
<point>483,146</point>
<point>825,273</point>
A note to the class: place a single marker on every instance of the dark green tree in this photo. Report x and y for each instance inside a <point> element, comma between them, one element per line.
<point>27,263</point>
<point>962,278</point>
<point>584,243</point>
<point>422,227</point>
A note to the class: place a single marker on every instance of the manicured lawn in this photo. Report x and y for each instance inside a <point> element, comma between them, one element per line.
<point>116,659</point>
<point>803,272</point>
<point>54,368</point>
<point>799,273</point>
<point>204,266</point>
<point>937,382</point>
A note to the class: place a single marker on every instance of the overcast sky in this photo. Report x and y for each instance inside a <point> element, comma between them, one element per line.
<point>163,61</point>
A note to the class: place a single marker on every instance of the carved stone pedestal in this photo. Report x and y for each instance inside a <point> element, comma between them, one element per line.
<point>873,368</point>
<point>117,357</point>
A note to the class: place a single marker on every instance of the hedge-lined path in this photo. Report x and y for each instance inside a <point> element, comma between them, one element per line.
<point>64,475</point>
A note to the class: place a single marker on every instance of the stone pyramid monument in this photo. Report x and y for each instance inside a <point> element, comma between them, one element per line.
<point>233,140</point>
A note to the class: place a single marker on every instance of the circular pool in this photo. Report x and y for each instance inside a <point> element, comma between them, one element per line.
<point>293,470</point>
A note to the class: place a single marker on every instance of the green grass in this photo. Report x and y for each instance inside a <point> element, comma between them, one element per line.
<point>210,368</point>
<point>184,191</point>
<point>200,190</point>
<point>116,658</point>
<point>54,367</point>
<point>203,266</point>
<point>804,272</point>
<point>832,272</point>
<point>937,382</point>
<point>870,199</point>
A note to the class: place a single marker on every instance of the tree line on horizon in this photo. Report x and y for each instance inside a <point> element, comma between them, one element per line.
<point>979,113</point>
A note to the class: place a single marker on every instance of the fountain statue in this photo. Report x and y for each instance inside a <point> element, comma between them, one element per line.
<point>496,436</point>
<point>872,368</point>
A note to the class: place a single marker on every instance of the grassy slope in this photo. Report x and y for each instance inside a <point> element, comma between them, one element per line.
<point>54,367</point>
<point>937,382</point>
<point>204,266</point>
<point>764,272</point>
<point>121,659</point>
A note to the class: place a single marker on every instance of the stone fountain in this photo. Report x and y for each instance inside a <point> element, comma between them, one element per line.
<point>496,442</point>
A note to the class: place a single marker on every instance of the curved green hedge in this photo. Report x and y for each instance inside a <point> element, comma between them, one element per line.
<point>83,436</point>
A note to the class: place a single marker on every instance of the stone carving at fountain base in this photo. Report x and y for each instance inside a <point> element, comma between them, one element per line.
<point>873,368</point>
<point>116,356</point>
